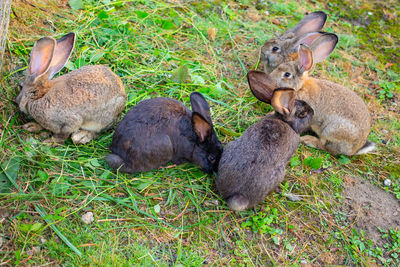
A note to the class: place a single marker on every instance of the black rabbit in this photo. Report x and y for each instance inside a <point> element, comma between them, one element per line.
<point>252,166</point>
<point>159,130</point>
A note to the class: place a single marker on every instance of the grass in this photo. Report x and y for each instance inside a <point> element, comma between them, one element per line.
<point>173,215</point>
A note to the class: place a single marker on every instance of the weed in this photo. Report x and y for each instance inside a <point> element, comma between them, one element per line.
<point>263,222</point>
<point>387,90</point>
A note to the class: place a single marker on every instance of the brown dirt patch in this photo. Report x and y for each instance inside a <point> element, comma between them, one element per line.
<point>370,207</point>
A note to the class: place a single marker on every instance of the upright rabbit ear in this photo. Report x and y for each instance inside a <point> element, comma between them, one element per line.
<point>261,85</point>
<point>283,101</point>
<point>201,117</point>
<point>323,46</point>
<point>305,58</point>
<point>63,51</point>
<point>313,22</point>
<point>307,39</point>
<point>41,56</point>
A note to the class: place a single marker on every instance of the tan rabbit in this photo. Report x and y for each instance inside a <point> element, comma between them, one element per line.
<point>80,103</point>
<point>341,120</point>
<point>284,47</point>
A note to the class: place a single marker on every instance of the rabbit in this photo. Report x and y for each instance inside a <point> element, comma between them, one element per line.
<point>80,103</point>
<point>159,130</point>
<point>253,165</point>
<point>284,47</point>
<point>341,121</point>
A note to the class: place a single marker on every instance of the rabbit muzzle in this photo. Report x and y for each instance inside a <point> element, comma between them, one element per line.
<point>22,102</point>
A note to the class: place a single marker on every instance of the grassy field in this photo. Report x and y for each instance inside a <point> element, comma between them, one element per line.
<point>173,215</point>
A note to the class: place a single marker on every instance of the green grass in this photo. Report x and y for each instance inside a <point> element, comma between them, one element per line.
<point>174,215</point>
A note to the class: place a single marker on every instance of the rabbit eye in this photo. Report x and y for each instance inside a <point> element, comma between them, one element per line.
<point>275,49</point>
<point>302,114</point>
<point>287,74</point>
<point>211,158</point>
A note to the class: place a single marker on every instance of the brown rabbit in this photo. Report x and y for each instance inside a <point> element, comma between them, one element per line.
<point>253,165</point>
<point>82,102</point>
<point>341,121</point>
<point>284,47</point>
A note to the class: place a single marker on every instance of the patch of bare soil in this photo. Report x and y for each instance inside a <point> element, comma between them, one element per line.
<point>370,207</point>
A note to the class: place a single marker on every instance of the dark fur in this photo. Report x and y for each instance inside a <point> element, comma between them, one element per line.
<point>252,166</point>
<point>160,130</point>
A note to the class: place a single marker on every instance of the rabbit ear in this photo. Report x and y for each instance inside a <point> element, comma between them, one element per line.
<point>62,52</point>
<point>313,22</point>
<point>201,126</point>
<point>200,106</point>
<point>307,39</point>
<point>323,46</point>
<point>41,56</point>
<point>261,85</point>
<point>283,101</point>
<point>201,117</point>
<point>305,58</point>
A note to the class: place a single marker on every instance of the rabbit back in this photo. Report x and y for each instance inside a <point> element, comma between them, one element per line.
<point>253,165</point>
<point>151,135</point>
<point>340,115</point>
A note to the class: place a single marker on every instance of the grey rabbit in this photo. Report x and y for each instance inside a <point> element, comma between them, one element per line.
<point>283,48</point>
<point>159,130</point>
<point>253,165</point>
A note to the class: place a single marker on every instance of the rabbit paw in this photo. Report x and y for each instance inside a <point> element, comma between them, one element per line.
<point>32,127</point>
<point>54,140</point>
<point>312,141</point>
<point>82,137</point>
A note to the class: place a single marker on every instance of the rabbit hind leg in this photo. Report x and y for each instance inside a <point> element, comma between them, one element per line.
<point>56,139</point>
<point>332,146</point>
<point>341,139</point>
<point>32,127</point>
<point>106,119</point>
<point>340,147</point>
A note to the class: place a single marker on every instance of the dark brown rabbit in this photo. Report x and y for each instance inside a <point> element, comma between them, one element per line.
<point>253,165</point>
<point>80,103</point>
<point>161,130</point>
<point>284,47</point>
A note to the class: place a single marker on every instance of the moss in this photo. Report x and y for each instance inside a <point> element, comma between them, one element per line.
<point>375,23</point>
<point>393,169</point>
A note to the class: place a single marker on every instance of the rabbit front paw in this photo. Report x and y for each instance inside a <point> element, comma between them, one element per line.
<point>32,127</point>
<point>55,140</point>
<point>82,137</point>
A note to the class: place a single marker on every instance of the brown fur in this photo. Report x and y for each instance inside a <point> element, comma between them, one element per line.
<point>82,102</point>
<point>304,32</point>
<point>78,98</point>
<point>341,118</point>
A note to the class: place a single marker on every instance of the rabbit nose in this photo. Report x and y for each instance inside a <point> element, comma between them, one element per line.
<point>264,55</point>
<point>18,99</point>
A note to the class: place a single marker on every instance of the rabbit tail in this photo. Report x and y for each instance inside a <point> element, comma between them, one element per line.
<point>114,161</point>
<point>367,147</point>
<point>237,202</point>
